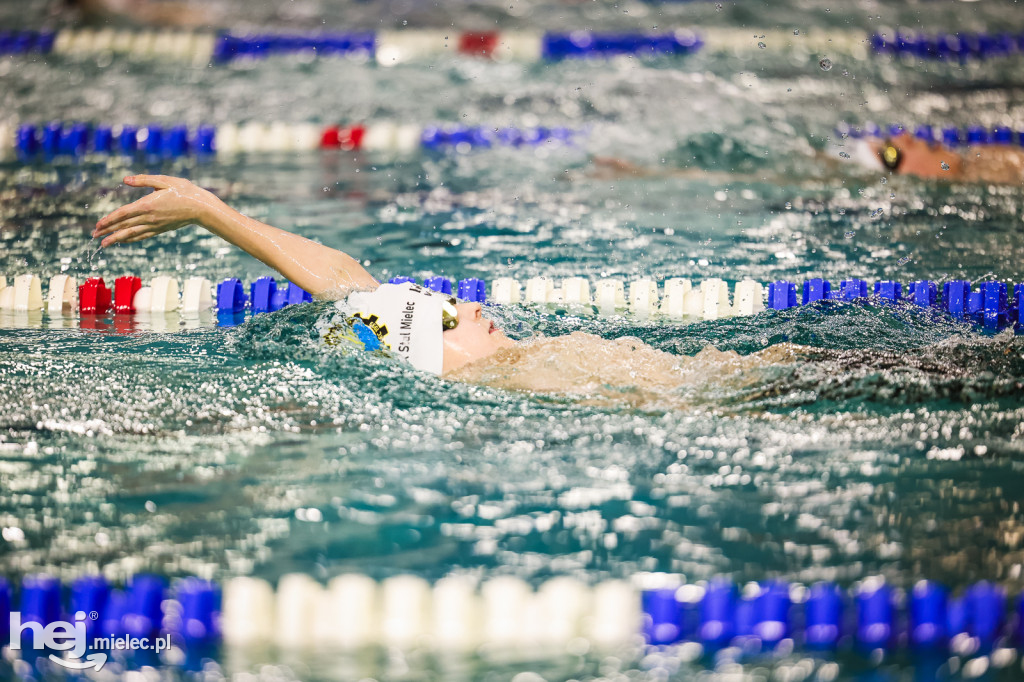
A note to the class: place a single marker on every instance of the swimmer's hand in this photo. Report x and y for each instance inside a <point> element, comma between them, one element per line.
<point>318,269</point>
<point>175,204</point>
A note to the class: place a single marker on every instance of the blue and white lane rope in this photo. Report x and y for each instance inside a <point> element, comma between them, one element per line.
<point>461,613</point>
<point>872,615</point>
<point>993,305</point>
<point>388,48</point>
<point>958,46</point>
<point>58,140</point>
<point>61,141</point>
<point>951,136</point>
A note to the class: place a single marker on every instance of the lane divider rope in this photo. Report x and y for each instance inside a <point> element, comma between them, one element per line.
<point>463,612</point>
<point>60,140</point>
<point>951,136</point>
<point>388,48</point>
<point>994,305</point>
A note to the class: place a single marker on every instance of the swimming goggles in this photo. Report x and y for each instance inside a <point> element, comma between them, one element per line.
<point>891,156</point>
<point>449,314</point>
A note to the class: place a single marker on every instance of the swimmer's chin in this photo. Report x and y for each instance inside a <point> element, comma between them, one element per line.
<point>480,370</point>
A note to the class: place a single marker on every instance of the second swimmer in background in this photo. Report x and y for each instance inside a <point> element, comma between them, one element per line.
<point>904,154</point>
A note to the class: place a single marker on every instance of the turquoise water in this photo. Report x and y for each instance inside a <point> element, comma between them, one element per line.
<point>893,447</point>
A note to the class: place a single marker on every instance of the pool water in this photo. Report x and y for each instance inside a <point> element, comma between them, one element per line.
<point>891,445</point>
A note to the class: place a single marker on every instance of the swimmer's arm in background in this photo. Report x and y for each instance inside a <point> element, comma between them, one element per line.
<point>320,270</point>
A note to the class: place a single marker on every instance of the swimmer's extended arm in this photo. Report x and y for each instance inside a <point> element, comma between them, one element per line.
<point>320,270</point>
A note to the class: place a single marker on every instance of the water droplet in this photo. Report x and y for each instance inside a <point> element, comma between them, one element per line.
<point>849,235</point>
<point>796,31</point>
<point>405,22</point>
<point>825,64</point>
<point>789,205</point>
<point>944,166</point>
<point>877,212</point>
<point>845,72</point>
<point>883,180</point>
<point>718,7</point>
<point>844,155</point>
<point>789,89</point>
<point>761,45</point>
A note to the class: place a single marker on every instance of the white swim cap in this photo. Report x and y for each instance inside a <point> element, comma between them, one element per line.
<point>403,318</point>
<point>860,151</point>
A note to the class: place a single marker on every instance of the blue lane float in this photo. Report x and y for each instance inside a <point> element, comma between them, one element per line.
<point>823,616</point>
<point>470,289</point>
<point>143,609</point>
<point>230,47</point>
<point>994,305</point>
<point>874,616</point>
<point>76,140</point>
<point>949,46</point>
<point>231,296</point>
<point>265,296</point>
<point>26,42</point>
<point>951,136</point>
<point>926,619</point>
<point>583,45</point>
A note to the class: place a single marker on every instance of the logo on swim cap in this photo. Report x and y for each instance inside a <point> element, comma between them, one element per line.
<point>366,332</point>
<point>372,322</point>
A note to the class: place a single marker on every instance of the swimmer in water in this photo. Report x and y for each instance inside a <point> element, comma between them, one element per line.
<point>901,155</point>
<point>460,329</point>
<point>908,155</point>
<point>431,331</point>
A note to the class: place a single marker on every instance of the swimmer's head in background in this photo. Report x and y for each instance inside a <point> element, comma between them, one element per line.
<point>891,156</point>
<point>862,152</point>
<point>403,318</point>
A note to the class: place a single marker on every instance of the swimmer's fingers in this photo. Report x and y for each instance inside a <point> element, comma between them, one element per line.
<point>139,206</point>
<point>129,234</point>
<point>130,221</point>
<point>132,210</point>
<point>134,234</point>
<point>154,181</point>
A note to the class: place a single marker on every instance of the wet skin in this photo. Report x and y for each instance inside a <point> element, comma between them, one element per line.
<point>475,337</point>
<point>923,159</point>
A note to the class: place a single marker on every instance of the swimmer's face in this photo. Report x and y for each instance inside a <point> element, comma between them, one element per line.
<point>476,337</point>
<point>921,158</point>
